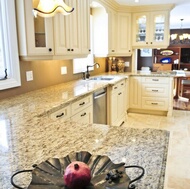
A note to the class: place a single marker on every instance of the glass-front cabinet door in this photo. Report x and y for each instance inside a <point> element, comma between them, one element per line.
<point>35,33</point>
<point>150,29</point>
<point>141,28</point>
<point>160,28</point>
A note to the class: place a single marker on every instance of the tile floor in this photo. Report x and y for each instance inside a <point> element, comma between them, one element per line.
<point>178,161</point>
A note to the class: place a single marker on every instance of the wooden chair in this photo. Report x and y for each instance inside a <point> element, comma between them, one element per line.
<point>185,88</point>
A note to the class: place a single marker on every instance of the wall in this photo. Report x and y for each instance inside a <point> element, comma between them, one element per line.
<point>47,73</point>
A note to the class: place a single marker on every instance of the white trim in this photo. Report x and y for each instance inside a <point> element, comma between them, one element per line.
<point>10,45</point>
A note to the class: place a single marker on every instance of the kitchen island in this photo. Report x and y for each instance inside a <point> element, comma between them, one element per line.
<point>28,136</point>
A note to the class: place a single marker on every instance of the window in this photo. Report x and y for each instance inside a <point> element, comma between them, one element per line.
<point>9,59</point>
<point>80,64</point>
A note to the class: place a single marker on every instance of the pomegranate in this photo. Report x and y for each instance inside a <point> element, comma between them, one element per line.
<point>77,175</point>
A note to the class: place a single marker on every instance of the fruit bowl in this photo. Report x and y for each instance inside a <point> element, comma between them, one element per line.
<point>105,174</point>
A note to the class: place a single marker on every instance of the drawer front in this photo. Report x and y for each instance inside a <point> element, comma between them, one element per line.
<point>63,113</point>
<point>118,86</point>
<point>155,80</point>
<point>155,103</point>
<point>85,116</point>
<point>79,105</point>
<point>156,90</point>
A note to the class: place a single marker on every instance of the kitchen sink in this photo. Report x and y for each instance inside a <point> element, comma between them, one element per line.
<point>102,78</point>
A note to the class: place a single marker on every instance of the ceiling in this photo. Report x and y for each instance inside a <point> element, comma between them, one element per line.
<point>181,10</point>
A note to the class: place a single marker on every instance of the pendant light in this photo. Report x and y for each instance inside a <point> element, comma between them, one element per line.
<point>48,8</point>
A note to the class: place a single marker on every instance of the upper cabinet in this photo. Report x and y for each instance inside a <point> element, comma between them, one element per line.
<point>150,29</point>
<point>35,35</point>
<point>53,38</point>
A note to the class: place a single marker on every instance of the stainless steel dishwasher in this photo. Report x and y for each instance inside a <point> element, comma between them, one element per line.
<point>100,106</point>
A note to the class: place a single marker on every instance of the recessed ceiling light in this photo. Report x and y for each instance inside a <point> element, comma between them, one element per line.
<point>136,1</point>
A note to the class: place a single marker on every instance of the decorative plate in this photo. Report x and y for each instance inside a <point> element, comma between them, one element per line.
<point>166,60</point>
<point>105,174</point>
<point>166,52</point>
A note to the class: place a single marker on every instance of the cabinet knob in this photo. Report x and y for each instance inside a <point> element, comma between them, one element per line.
<point>151,43</point>
<point>68,49</point>
<point>72,49</point>
<point>50,49</point>
<point>147,43</point>
<point>113,51</point>
<point>89,50</point>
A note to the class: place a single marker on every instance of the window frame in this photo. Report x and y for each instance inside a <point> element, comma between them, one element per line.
<point>10,44</point>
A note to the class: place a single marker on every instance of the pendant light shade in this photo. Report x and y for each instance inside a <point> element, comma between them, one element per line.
<point>48,8</point>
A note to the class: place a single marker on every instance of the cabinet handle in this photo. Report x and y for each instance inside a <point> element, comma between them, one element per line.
<point>82,115</point>
<point>154,103</point>
<point>122,84</point>
<point>151,43</point>
<point>50,49</point>
<point>68,49</point>
<point>155,90</point>
<point>147,43</point>
<point>81,104</point>
<point>113,51</point>
<point>115,87</point>
<point>89,50</point>
<point>60,115</point>
<point>72,49</point>
<point>119,93</point>
<point>155,79</point>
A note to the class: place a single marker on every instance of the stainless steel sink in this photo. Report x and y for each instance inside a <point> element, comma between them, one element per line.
<point>104,78</point>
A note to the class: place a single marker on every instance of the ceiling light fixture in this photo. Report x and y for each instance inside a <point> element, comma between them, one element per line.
<point>183,38</point>
<point>48,8</point>
<point>136,1</point>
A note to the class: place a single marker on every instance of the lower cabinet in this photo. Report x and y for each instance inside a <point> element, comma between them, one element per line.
<point>151,94</point>
<point>80,111</point>
<point>117,103</point>
<point>84,116</point>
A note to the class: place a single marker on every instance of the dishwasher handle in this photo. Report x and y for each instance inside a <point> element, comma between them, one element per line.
<point>100,95</point>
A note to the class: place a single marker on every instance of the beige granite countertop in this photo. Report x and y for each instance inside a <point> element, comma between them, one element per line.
<point>27,138</point>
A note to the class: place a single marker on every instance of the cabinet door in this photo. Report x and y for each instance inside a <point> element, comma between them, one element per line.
<point>135,92</point>
<point>124,34</point>
<point>85,26</point>
<point>159,28</point>
<point>140,29</point>
<point>85,116</point>
<point>151,29</point>
<point>35,34</point>
<point>66,31</point>
<point>121,103</point>
<point>112,32</point>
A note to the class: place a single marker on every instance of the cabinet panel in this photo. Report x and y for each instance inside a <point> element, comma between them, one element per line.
<point>151,29</point>
<point>81,104</point>
<point>63,113</point>
<point>155,90</point>
<point>35,35</point>
<point>155,103</point>
<point>135,92</point>
<point>155,80</point>
<point>84,116</point>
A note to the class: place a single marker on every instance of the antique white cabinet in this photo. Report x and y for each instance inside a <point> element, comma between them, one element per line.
<point>124,34</point>
<point>35,35</point>
<point>150,29</point>
<point>151,94</point>
<point>117,102</point>
<point>119,33</point>
<point>53,38</point>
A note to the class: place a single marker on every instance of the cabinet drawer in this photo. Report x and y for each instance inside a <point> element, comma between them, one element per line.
<point>118,86</point>
<point>156,90</point>
<point>85,116</point>
<point>155,103</point>
<point>79,105</point>
<point>155,80</point>
<point>63,113</point>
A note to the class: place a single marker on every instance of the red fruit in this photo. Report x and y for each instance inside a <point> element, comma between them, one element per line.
<point>77,175</point>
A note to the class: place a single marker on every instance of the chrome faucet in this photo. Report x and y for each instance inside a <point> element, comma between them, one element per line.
<point>87,72</point>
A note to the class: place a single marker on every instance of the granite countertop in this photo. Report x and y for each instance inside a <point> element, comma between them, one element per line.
<point>27,138</point>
